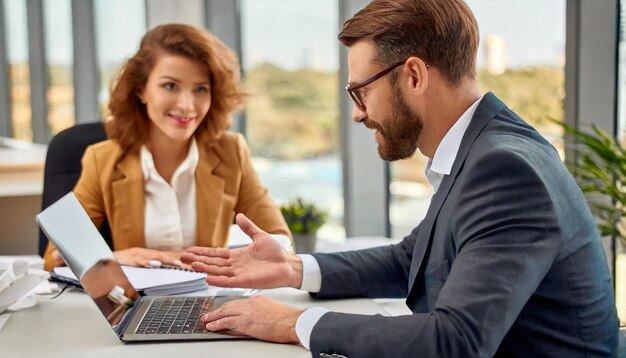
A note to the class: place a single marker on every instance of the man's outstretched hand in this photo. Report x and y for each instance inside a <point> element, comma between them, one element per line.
<point>262,264</point>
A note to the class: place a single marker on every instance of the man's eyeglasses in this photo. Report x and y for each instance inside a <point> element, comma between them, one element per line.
<point>353,89</point>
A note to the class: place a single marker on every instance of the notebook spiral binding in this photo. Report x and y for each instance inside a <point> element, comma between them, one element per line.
<point>172,267</point>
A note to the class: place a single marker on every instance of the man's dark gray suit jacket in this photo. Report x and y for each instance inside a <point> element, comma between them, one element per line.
<point>507,262</point>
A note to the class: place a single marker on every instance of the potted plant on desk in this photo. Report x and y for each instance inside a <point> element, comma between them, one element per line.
<point>303,219</point>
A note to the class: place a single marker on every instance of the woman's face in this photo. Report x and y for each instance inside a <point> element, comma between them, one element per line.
<point>177,96</point>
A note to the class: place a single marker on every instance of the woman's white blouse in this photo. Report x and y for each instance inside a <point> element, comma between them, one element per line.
<point>170,210</point>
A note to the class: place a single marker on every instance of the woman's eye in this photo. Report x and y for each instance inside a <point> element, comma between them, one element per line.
<point>169,86</point>
<point>202,89</point>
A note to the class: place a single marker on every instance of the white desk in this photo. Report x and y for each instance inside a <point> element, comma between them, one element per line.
<point>21,168</point>
<point>71,326</point>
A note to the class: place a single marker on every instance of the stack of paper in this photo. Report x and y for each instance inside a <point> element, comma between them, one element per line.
<point>155,281</point>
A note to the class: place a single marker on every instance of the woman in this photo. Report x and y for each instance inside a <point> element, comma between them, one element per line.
<point>171,176</point>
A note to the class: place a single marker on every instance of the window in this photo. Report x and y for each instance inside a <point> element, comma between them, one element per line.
<point>620,253</point>
<point>120,24</point>
<point>60,57</point>
<point>291,70</point>
<point>621,118</point>
<point>19,73</point>
<point>521,60</point>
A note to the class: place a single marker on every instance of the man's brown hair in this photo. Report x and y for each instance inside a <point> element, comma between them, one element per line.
<point>443,33</point>
<point>129,118</point>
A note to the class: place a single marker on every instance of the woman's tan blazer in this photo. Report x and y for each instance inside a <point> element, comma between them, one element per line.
<point>111,186</point>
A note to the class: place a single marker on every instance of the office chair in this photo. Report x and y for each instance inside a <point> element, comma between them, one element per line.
<point>63,167</point>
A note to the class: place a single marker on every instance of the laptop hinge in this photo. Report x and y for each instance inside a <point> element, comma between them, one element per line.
<point>119,330</point>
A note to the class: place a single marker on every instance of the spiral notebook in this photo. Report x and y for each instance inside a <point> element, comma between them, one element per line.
<point>155,281</point>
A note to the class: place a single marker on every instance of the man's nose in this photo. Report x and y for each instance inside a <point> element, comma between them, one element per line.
<point>358,115</point>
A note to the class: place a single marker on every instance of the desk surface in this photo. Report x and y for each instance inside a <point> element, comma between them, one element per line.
<point>21,168</point>
<point>71,326</point>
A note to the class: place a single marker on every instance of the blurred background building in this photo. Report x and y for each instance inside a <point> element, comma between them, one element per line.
<point>495,47</point>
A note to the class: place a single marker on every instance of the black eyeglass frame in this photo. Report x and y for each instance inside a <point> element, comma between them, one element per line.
<point>353,89</point>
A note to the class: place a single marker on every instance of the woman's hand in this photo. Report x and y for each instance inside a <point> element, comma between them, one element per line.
<point>262,264</point>
<point>138,256</point>
<point>57,259</point>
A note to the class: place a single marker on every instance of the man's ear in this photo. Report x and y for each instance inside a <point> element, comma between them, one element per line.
<point>417,79</point>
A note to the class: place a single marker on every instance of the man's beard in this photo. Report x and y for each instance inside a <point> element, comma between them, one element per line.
<point>401,132</point>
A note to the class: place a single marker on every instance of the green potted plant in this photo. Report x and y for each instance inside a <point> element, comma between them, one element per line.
<point>303,219</point>
<point>601,175</point>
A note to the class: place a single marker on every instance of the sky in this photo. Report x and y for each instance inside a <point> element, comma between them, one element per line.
<point>291,34</point>
<point>304,33</point>
<point>534,31</point>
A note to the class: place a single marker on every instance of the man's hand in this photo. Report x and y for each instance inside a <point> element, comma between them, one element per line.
<point>138,256</point>
<point>258,317</point>
<point>262,264</point>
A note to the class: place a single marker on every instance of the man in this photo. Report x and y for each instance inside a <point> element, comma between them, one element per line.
<point>507,261</point>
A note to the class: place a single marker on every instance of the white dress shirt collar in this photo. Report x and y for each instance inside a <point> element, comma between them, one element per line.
<point>190,163</point>
<point>448,148</point>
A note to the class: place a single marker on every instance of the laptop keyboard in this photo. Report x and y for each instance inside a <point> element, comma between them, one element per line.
<point>174,315</point>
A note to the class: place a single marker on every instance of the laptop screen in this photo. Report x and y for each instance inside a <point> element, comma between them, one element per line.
<point>73,233</point>
<point>110,289</point>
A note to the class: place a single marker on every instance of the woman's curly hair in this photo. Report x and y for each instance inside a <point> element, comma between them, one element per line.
<point>128,121</point>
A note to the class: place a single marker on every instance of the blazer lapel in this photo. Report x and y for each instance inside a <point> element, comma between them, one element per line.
<point>128,201</point>
<point>489,106</point>
<point>209,195</point>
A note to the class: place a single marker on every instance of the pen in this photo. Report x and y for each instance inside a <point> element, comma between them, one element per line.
<point>157,263</point>
<point>236,246</point>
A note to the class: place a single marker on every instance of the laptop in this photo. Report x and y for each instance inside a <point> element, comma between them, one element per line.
<point>133,318</point>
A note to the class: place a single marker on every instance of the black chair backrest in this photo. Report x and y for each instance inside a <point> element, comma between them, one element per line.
<point>63,167</point>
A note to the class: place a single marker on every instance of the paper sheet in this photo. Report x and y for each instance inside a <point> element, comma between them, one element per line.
<point>166,282</point>
<point>236,237</point>
<point>142,278</point>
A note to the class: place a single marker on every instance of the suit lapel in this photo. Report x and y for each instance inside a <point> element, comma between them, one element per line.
<point>488,107</point>
<point>209,195</point>
<point>128,199</point>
